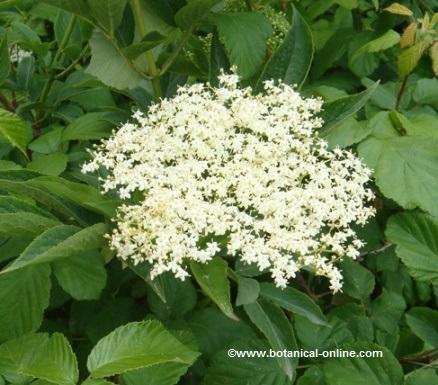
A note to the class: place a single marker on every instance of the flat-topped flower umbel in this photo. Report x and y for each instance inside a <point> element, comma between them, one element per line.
<point>222,163</point>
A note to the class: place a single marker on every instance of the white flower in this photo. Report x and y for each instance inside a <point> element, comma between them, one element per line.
<point>221,166</point>
<point>17,55</point>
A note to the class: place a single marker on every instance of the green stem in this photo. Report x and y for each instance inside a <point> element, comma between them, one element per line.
<point>152,67</point>
<point>73,64</point>
<point>9,106</point>
<point>51,78</point>
<point>400,93</point>
<point>175,53</point>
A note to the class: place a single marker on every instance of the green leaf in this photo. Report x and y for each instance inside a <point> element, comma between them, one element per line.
<point>59,242</point>
<point>15,130</point>
<point>21,182</point>
<point>312,376</point>
<point>323,337</point>
<point>244,36</point>
<point>77,193</point>
<point>52,164</point>
<point>108,13</point>
<point>347,133</point>
<point>386,310</point>
<point>162,374</point>
<point>422,377</point>
<point>9,204</point>
<point>4,59</point>
<point>41,356</point>
<point>426,92</point>
<point>340,109</point>
<point>358,281</point>
<point>83,276</point>
<point>23,297</point>
<point>78,7</point>
<point>178,297</point>
<point>214,330</point>
<point>423,322</point>
<point>409,58</point>
<point>405,170</point>
<point>224,369</point>
<point>94,125</point>
<point>275,326</point>
<point>98,381</point>
<point>248,291</point>
<point>363,371</point>
<point>414,234</point>
<point>151,40</point>
<point>137,345</point>
<point>194,12</point>
<point>387,40</point>
<point>25,223</point>
<point>212,277</point>
<point>291,61</point>
<point>109,65</point>
<point>294,301</point>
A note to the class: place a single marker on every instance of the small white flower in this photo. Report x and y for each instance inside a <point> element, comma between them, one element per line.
<point>18,54</point>
<point>250,170</point>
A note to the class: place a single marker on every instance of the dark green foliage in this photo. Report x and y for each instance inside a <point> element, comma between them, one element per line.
<point>71,312</point>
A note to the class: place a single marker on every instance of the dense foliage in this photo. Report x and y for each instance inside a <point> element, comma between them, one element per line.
<point>72,312</point>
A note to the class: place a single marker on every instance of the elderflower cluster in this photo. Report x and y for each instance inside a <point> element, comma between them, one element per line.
<point>221,169</point>
<point>18,54</point>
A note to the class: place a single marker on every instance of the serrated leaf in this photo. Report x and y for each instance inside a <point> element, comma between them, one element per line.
<point>212,277</point>
<point>408,36</point>
<point>409,58</point>
<point>83,276</point>
<point>294,301</point>
<point>422,377</point>
<point>137,345</point>
<point>41,356</point>
<point>405,171</point>
<point>291,61</point>
<point>340,109</point>
<point>214,330</point>
<point>416,244</point>
<point>423,322</point>
<point>384,370</point>
<point>224,369</point>
<point>275,326</point>
<point>15,130</point>
<point>59,242</point>
<point>24,223</point>
<point>244,36</point>
<point>77,193</point>
<point>387,40</point>
<point>162,374</point>
<point>386,310</point>
<point>23,297</point>
<point>358,281</point>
